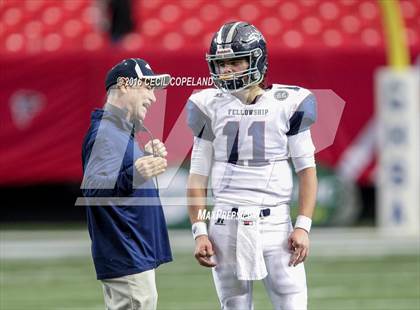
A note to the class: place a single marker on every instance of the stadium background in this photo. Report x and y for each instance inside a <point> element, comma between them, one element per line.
<point>54,55</point>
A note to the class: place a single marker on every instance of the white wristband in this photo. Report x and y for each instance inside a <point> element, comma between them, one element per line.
<point>198,229</point>
<point>303,222</point>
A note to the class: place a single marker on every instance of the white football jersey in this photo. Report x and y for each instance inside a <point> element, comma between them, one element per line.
<point>250,142</point>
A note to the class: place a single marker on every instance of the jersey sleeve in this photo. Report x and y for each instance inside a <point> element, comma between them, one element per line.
<point>198,120</point>
<point>201,157</point>
<point>301,150</point>
<point>303,115</point>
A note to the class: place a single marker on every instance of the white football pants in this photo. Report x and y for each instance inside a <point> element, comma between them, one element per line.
<point>285,285</point>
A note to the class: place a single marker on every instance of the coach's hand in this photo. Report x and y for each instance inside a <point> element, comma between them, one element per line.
<point>149,166</point>
<point>299,246</point>
<point>158,147</point>
<point>204,251</point>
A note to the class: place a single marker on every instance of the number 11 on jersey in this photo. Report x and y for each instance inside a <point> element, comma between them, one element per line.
<point>256,131</point>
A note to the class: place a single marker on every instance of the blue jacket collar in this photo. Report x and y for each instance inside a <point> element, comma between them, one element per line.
<point>118,116</point>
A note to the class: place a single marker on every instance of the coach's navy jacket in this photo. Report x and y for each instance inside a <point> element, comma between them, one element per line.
<point>126,239</point>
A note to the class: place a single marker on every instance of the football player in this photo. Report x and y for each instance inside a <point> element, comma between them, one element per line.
<point>244,135</point>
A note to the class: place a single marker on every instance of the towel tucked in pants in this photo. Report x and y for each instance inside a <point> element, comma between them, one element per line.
<point>285,285</point>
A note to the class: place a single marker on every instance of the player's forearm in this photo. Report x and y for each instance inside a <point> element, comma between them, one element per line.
<point>196,203</point>
<point>197,195</point>
<point>308,185</point>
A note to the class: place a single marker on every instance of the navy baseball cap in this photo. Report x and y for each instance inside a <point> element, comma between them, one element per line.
<point>135,70</point>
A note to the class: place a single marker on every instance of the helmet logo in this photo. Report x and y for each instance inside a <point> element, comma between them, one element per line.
<point>252,37</point>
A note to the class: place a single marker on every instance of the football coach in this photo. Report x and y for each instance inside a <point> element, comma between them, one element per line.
<point>124,215</point>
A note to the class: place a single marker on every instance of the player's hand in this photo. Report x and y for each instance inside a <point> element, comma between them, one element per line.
<point>158,147</point>
<point>149,166</point>
<point>299,246</point>
<point>204,251</point>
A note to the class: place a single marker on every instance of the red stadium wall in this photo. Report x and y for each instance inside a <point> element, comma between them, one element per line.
<point>47,102</point>
<point>54,55</point>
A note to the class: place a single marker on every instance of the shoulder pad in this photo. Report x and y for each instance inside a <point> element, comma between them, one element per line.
<point>202,97</point>
<point>198,118</point>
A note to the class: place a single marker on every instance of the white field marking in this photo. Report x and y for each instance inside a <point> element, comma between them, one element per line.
<point>39,249</point>
<point>368,304</point>
<point>31,306</point>
<point>349,244</point>
<point>202,305</point>
<point>407,273</point>
<point>327,291</point>
<point>98,307</point>
<point>334,291</point>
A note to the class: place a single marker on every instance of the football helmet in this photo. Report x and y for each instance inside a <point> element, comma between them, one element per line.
<point>238,40</point>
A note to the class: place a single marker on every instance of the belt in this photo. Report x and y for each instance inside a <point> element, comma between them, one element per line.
<point>263,212</point>
<point>252,162</point>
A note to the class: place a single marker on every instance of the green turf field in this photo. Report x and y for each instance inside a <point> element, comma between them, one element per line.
<point>380,283</point>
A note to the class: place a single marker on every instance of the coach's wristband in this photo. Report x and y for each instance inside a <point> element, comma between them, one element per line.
<point>198,229</point>
<point>303,222</point>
